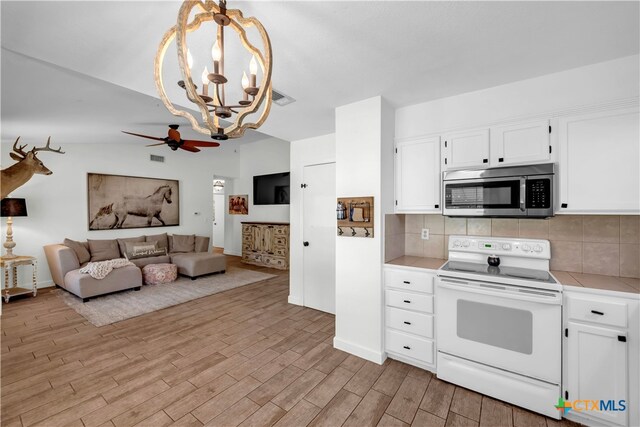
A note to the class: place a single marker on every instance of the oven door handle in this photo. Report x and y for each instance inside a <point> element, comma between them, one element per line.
<point>543,297</point>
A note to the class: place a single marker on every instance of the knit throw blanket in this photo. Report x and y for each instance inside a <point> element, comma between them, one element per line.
<point>99,270</point>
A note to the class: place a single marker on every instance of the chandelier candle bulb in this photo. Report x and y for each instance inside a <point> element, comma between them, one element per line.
<point>205,82</point>
<point>216,54</point>
<point>245,85</point>
<point>253,70</point>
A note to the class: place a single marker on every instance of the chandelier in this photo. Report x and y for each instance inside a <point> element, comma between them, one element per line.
<point>222,118</point>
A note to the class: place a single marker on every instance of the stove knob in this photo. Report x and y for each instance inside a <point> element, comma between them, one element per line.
<point>506,246</point>
<point>526,248</point>
<point>456,244</point>
<point>465,243</point>
<point>538,248</point>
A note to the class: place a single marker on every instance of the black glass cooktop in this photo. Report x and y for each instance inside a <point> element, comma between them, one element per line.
<point>507,272</point>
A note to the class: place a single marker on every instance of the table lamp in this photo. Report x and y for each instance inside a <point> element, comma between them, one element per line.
<point>10,208</point>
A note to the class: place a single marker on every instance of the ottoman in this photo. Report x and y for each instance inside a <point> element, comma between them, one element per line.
<point>155,274</point>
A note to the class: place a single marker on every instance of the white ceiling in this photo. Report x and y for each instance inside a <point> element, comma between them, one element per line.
<point>326,54</point>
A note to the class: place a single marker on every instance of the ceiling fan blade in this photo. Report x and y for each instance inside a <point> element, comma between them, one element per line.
<point>144,136</point>
<point>153,145</point>
<point>189,148</point>
<point>194,143</point>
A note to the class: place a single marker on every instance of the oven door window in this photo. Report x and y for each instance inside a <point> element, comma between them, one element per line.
<point>495,325</point>
<point>484,195</point>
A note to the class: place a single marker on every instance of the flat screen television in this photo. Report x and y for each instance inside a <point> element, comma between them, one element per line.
<point>271,189</point>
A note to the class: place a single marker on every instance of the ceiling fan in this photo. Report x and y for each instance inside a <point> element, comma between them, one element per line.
<point>174,141</point>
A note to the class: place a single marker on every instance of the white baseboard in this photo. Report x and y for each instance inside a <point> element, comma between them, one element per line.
<point>232,253</point>
<point>45,284</point>
<point>357,350</point>
<point>295,300</point>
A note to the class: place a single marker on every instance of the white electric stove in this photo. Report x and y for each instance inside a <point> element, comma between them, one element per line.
<point>499,326</point>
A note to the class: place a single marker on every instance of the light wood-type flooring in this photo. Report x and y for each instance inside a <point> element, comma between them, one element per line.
<point>243,357</point>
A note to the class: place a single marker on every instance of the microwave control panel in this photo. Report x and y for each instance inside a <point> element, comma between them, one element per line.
<point>538,193</point>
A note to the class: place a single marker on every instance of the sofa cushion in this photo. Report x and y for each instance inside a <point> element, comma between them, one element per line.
<point>137,250</point>
<point>163,241</point>
<point>85,286</point>
<point>122,242</point>
<point>183,243</point>
<point>79,249</point>
<point>202,244</point>
<point>141,262</point>
<point>102,250</point>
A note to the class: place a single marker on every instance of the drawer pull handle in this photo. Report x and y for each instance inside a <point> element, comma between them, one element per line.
<point>407,301</point>
<point>406,282</point>
<point>407,323</point>
<point>407,347</point>
<point>599,313</point>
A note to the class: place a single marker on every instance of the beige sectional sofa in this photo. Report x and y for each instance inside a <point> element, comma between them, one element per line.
<point>65,261</point>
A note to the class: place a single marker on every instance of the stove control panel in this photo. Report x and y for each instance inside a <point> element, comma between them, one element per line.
<point>501,246</point>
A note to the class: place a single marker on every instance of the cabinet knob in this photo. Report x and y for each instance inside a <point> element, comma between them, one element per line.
<point>407,301</point>
<point>407,323</point>
<point>305,244</point>
<point>599,313</point>
<point>407,347</point>
<point>564,205</point>
<point>501,159</point>
<point>622,338</point>
<point>437,206</point>
<point>406,282</point>
<point>485,160</point>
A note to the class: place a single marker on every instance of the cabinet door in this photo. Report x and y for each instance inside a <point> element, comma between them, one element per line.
<point>468,149</point>
<point>597,368</point>
<point>599,168</point>
<point>520,143</point>
<point>417,167</point>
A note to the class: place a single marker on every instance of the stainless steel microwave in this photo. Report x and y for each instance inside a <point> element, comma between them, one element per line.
<point>519,191</point>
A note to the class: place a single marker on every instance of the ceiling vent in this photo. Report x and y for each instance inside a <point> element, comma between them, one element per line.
<point>155,158</point>
<point>281,99</point>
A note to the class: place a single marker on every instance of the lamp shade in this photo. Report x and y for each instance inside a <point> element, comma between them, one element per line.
<point>13,207</point>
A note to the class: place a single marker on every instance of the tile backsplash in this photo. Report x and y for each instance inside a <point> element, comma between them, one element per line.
<point>595,244</point>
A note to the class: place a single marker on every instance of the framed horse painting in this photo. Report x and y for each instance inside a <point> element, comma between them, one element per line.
<point>118,201</point>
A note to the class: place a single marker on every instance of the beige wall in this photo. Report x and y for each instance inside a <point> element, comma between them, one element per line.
<point>596,244</point>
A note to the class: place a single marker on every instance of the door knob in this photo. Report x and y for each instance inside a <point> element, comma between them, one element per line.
<point>305,243</point>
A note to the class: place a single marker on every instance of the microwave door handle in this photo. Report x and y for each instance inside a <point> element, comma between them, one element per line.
<point>523,190</point>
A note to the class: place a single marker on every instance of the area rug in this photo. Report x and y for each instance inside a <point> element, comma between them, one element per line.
<point>119,306</point>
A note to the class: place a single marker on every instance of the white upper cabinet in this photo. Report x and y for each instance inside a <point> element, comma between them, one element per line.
<point>466,150</point>
<point>417,174</point>
<point>599,162</point>
<point>520,143</point>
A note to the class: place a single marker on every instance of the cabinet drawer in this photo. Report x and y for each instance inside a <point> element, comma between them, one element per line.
<point>281,231</point>
<point>275,262</point>
<point>409,280</point>
<point>280,240</point>
<point>410,321</point>
<point>409,301</point>
<point>597,310</point>
<point>410,346</point>
<point>280,252</point>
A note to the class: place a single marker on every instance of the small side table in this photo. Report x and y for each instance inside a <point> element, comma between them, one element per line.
<point>10,266</point>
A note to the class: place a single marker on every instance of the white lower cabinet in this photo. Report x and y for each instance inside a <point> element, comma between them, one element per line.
<point>409,316</point>
<point>601,359</point>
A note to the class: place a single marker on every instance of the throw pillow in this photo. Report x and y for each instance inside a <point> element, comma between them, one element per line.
<point>161,239</point>
<point>81,252</point>
<point>137,250</point>
<point>102,250</point>
<point>122,246</point>
<point>184,243</point>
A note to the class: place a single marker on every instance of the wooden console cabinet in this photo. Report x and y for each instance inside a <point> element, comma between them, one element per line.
<point>266,244</point>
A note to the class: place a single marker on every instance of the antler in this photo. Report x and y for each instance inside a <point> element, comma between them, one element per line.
<point>47,148</point>
<point>19,150</point>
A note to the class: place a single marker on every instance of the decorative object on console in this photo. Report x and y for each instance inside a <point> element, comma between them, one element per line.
<point>216,102</point>
<point>357,218</point>
<point>117,201</point>
<point>239,204</point>
<point>28,164</point>
<point>266,244</point>
<point>11,208</point>
<point>174,141</point>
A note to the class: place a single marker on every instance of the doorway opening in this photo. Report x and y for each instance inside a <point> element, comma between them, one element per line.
<point>219,211</point>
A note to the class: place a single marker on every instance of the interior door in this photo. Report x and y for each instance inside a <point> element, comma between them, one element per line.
<point>319,231</point>
<point>218,221</point>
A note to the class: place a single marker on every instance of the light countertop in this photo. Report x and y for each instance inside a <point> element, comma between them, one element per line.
<point>580,280</point>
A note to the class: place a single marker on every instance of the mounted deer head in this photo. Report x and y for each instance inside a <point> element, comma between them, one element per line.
<point>28,164</point>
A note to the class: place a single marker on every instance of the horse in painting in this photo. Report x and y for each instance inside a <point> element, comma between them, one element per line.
<point>149,206</point>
